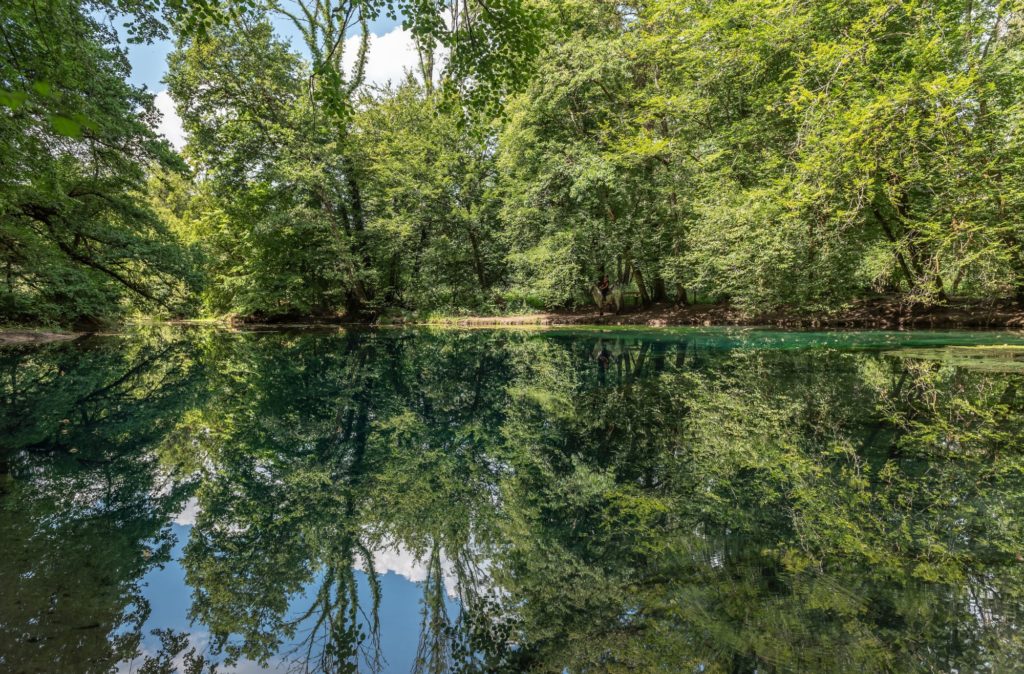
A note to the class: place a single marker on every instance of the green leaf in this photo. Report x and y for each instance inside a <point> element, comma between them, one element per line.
<point>66,126</point>
<point>12,99</point>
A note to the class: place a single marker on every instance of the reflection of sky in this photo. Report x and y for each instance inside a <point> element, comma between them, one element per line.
<point>170,599</point>
<point>395,559</point>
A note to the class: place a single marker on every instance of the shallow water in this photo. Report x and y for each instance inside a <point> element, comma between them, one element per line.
<point>672,500</point>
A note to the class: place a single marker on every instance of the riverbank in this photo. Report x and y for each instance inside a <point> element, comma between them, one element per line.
<point>875,314</point>
<point>21,336</point>
<point>878,314</point>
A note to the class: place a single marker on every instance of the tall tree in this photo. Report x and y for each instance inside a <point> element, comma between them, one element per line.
<point>431,202</point>
<point>588,172</point>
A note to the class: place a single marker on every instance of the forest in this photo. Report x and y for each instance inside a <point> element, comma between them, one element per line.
<point>757,153</point>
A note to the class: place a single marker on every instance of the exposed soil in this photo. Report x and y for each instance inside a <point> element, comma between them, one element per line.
<point>882,313</point>
<point>35,337</point>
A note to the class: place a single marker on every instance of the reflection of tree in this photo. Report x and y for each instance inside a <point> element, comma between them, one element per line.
<point>321,450</point>
<point>436,491</point>
<point>434,651</point>
<point>728,509</point>
<point>286,444</point>
<point>955,482</point>
<point>760,524</point>
<point>676,507</point>
<point>86,494</point>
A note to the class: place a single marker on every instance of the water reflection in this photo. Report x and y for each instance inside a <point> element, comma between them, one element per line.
<point>483,501</point>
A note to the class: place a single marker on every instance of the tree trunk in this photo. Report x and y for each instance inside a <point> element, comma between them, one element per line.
<point>681,297</point>
<point>478,264</point>
<point>660,293</point>
<point>1017,266</point>
<point>889,234</point>
<point>360,294</point>
<point>917,258</point>
<point>645,297</point>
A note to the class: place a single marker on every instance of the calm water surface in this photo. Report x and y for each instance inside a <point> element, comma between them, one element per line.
<point>581,501</point>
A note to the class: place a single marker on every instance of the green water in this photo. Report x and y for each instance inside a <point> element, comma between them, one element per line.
<point>488,501</point>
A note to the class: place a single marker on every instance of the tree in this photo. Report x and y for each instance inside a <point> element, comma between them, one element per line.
<point>588,182</point>
<point>78,243</point>
<point>269,210</point>
<point>430,200</point>
<point>835,146</point>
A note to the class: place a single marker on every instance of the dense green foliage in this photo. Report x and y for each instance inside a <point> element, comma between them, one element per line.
<point>78,241</point>
<point>774,152</point>
<point>700,501</point>
<point>761,152</point>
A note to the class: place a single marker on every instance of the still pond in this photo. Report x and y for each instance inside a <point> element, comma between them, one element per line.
<point>675,500</point>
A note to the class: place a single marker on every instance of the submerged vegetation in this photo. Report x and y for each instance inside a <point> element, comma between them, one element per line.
<point>764,153</point>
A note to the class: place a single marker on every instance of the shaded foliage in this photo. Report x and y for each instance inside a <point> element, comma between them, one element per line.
<point>78,242</point>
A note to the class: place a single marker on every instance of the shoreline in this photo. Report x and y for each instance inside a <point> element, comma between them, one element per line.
<point>877,314</point>
<point>882,314</point>
<point>23,336</point>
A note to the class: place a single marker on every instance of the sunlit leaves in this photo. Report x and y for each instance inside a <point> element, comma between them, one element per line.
<point>13,99</point>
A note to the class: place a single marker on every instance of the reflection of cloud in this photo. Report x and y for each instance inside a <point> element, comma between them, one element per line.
<point>187,516</point>
<point>150,648</point>
<point>395,558</point>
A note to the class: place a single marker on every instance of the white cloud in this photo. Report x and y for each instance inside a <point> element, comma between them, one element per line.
<point>389,57</point>
<point>170,126</point>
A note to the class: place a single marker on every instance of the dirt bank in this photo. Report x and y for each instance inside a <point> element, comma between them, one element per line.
<point>882,313</point>
<point>36,336</point>
<point>879,314</point>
